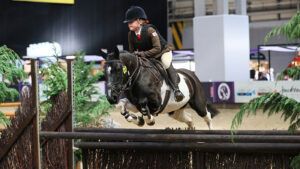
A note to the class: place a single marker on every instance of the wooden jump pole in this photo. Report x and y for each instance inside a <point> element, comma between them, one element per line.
<point>70,120</point>
<point>35,93</point>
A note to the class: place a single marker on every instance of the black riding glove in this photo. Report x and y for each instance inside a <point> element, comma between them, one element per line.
<point>140,54</point>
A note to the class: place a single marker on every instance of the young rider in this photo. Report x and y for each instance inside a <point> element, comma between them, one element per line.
<point>145,41</point>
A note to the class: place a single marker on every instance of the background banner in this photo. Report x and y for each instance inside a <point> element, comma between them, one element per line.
<point>50,1</point>
<point>245,91</point>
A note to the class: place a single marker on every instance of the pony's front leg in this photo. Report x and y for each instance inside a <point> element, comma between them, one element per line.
<point>123,103</point>
<point>146,115</point>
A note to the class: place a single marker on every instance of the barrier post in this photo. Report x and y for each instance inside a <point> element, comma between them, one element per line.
<point>36,130</point>
<point>69,121</point>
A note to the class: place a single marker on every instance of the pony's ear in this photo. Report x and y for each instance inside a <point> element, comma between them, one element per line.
<point>103,54</point>
<point>117,52</point>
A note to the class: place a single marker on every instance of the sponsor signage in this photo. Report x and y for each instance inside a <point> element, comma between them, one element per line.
<point>245,91</point>
<point>289,89</point>
<point>49,1</point>
<point>223,92</point>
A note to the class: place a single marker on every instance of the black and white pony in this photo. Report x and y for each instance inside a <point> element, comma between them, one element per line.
<point>137,86</point>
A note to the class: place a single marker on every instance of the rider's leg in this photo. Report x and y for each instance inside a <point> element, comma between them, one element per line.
<point>166,59</point>
<point>174,79</point>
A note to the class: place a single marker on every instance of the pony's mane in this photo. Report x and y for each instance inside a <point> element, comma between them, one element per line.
<point>122,53</point>
<point>125,53</point>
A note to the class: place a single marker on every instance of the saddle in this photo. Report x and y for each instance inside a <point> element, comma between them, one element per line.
<point>154,63</point>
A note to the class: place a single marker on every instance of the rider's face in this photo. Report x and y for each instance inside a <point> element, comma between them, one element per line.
<point>134,25</point>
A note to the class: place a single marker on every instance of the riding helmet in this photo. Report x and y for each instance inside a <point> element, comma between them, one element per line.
<point>134,12</point>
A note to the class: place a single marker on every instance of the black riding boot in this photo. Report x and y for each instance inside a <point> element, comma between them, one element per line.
<point>174,83</point>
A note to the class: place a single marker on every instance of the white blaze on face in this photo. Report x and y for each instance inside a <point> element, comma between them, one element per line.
<point>108,69</point>
<point>109,92</point>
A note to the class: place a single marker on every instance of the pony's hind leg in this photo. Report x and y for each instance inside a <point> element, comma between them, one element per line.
<point>208,119</point>
<point>183,116</point>
<point>203,112</point>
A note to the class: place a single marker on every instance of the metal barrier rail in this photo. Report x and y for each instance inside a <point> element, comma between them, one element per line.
<point>207,138</point>
<point>202,140</point>
<point>166,131</point>
<point>280,148</point>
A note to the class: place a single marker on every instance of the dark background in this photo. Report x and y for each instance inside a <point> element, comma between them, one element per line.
<point>88,25</point>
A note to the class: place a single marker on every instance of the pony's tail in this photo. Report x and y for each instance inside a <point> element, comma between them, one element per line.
<point>214,111</point>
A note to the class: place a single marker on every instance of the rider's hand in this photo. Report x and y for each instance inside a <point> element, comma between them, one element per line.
<point>140,54</point>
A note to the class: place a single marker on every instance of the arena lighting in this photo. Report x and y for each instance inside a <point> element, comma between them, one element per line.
<point>49,1</point>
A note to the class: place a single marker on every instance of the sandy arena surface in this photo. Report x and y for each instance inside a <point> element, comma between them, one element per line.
<point>221,122</point>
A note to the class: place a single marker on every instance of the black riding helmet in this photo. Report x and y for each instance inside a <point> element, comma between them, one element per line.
<point>135,12</point>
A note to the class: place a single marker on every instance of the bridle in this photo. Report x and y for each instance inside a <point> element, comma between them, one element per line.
<point>128,81</point>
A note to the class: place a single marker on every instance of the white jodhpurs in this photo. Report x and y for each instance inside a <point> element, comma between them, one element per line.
<point>166,59</point>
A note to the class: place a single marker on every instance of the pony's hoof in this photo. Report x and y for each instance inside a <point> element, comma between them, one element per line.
<point>151,123</point>
<point>191,128</point>
<point>141,121</point>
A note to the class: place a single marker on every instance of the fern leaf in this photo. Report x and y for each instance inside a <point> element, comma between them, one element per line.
<point>290,30</point>
<point>295,164</point>
<point>271,103</point>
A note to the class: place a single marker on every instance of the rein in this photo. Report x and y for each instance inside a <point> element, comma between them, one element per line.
<point>129,83</point>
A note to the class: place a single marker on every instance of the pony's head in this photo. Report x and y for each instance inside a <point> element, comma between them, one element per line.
<point>116,73</point>
<point>114,76</point>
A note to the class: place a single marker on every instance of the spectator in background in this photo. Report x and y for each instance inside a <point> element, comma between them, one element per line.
<point>252,74</point>
<point>262,76</point>
<point>271,72</point>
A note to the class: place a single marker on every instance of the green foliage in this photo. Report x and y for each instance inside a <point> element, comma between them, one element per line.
<point>4,120</point>
<point>55,79</point>
<point>291,72</point>
<point>7,93</point>
<point>271,103</point>
<point>295,164</point>
<point>10,74</point>
<point>290,30</point>
<point>8,68</point>
<point>78,154</point>
<point>88,111</point>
